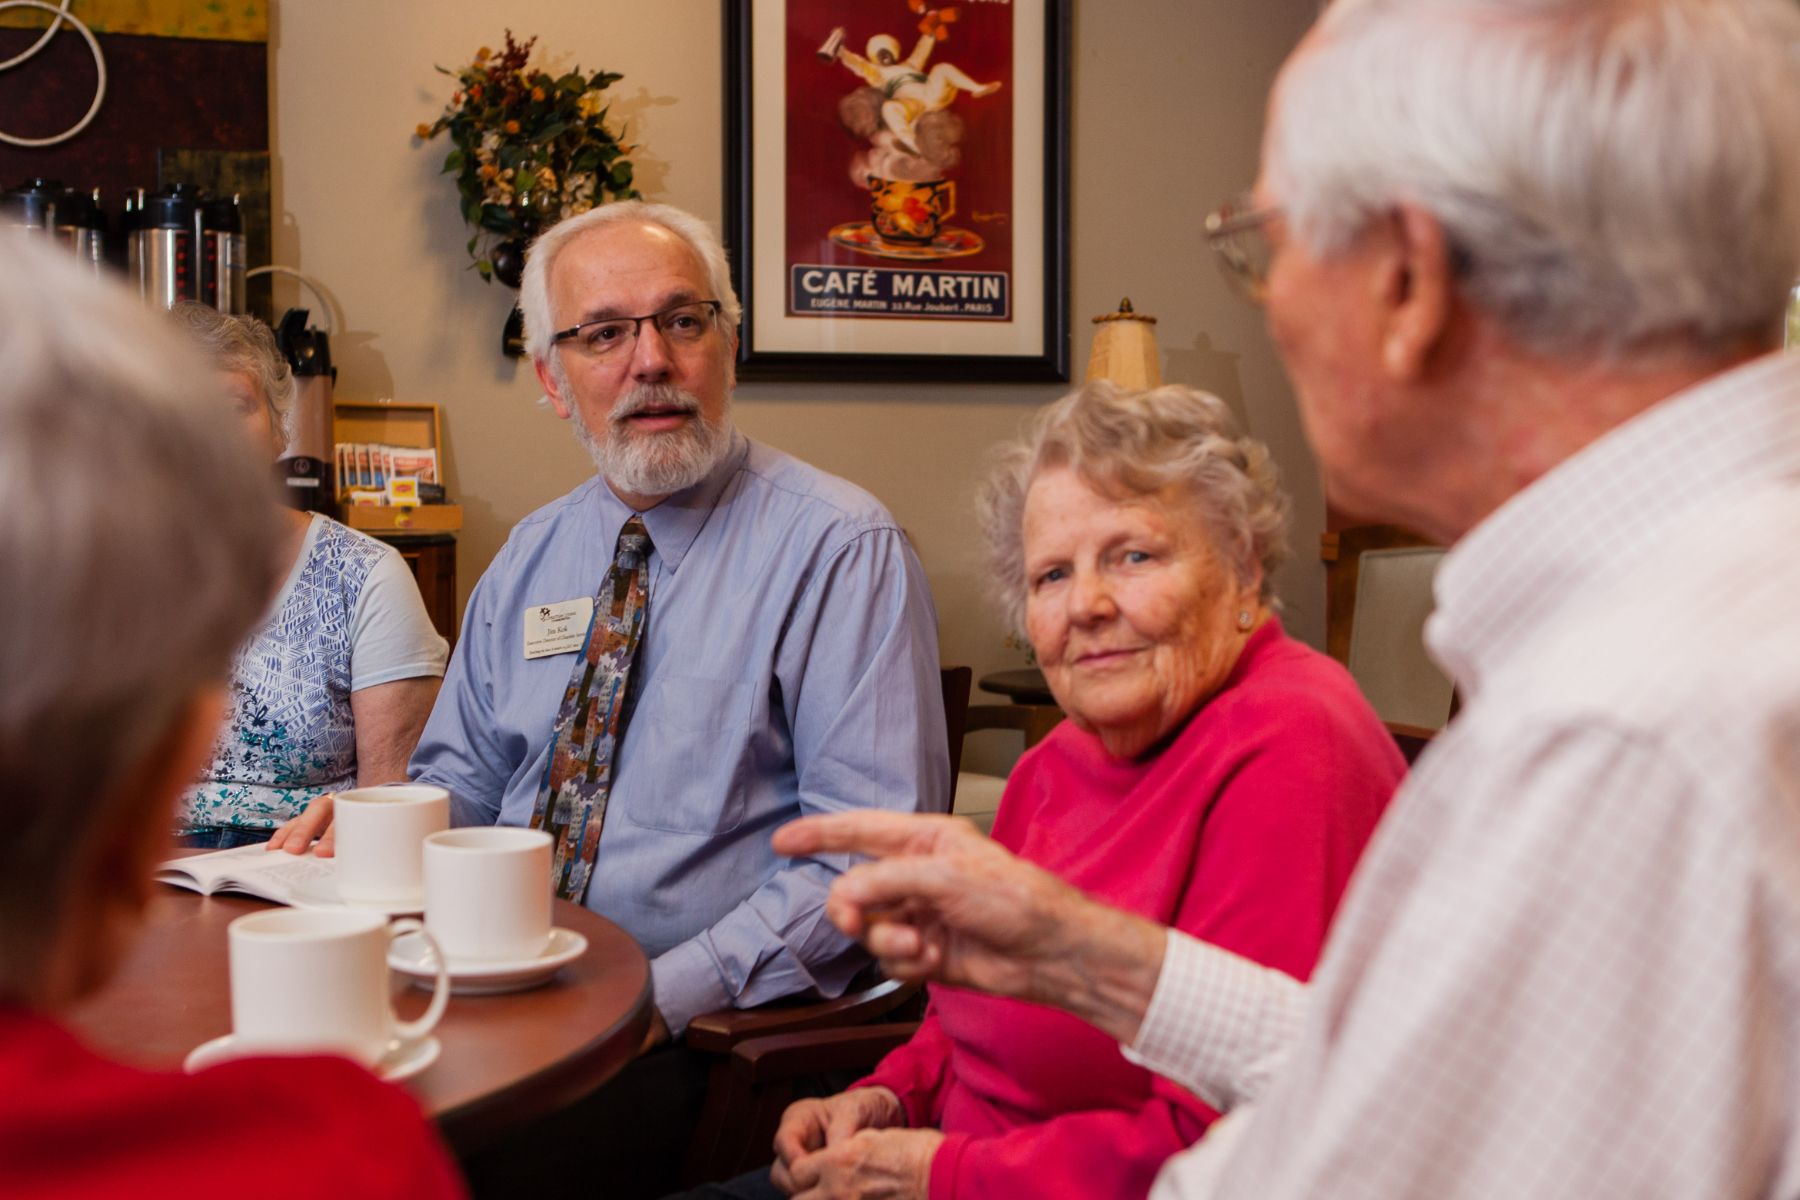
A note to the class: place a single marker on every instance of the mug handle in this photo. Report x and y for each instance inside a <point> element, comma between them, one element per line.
<point>412,1031</point>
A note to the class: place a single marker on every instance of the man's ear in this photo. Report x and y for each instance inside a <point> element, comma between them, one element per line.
<point>1420,294</point>
<point>547,378</point>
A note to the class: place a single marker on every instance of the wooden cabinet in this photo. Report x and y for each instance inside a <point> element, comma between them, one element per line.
<point>432,558</point>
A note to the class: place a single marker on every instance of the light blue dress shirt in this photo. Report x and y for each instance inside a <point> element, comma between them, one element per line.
<point>789,666</point>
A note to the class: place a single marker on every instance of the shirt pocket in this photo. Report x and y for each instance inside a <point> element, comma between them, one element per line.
<point>688,742</point>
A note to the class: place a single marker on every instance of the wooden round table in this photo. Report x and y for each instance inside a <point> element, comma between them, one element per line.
<point>506,1059</point>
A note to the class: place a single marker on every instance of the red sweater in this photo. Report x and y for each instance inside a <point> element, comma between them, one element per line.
<point>74,1126</point>
<point>1242,830</point>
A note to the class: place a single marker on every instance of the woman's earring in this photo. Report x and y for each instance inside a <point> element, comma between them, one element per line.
<point>1244,618</point>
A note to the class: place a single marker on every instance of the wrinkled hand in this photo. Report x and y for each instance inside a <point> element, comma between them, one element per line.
<point>875,1164</point>
<point>942,902</point>
<point>811,1125</point>
<point>315,822</point>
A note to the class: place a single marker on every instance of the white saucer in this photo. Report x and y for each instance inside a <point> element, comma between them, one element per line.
<point>323,893</point>
<point>402,1061</point>
<point>408,956</point>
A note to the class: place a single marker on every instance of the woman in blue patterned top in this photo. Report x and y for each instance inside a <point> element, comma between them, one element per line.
<point>332,689</point>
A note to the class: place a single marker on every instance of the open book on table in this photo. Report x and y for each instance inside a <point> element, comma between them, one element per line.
<point>253,870</point>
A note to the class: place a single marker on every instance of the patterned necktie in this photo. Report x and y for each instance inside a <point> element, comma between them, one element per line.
<point>571,801</point>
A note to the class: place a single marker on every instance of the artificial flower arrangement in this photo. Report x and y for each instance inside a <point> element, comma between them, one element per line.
<point>531,149</point>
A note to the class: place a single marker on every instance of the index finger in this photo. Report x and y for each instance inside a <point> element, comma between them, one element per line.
<point>871,833</point>
<point>872,892</point>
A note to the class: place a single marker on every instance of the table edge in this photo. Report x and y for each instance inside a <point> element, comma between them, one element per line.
<point>477,1123</point>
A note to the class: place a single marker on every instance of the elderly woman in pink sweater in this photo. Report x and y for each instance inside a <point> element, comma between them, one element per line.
<point>1214,775</point>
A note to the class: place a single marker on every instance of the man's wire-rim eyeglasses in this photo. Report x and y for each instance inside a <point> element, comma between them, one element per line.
<point>680,325</point>
<point>1236,232</point>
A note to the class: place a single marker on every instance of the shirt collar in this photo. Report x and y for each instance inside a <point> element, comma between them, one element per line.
<point>677,520</point>
<point>1604,506</point>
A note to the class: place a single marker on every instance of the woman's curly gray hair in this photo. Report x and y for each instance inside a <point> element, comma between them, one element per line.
<point>243,346</point>
<point>1140,443</point>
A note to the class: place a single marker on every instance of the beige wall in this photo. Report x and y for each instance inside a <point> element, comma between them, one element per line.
<point>1167,113</point>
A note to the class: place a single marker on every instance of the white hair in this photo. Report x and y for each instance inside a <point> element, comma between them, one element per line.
<point>534,286</point>
<point>138,545</point>
<point>244,346</point>
<point>1140,443</point>
<point>1613,176</point>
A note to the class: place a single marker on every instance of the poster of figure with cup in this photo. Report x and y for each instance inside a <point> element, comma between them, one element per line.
<point>907,169</point>
<point>915,180</point>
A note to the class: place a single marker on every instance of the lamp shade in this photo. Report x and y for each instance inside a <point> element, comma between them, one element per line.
<point>1124,350</point>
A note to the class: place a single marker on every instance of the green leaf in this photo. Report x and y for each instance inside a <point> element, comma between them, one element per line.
<point>454,161</point>
<point>572,83</point>
<point>487,270</point>
<point>497,219</point>
<point>620,176</point>
<point>472,242</point>
<point>551,132</point>
<point>585,159</point>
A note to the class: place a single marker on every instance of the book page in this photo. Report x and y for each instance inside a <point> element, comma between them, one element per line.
<point>254,870</point>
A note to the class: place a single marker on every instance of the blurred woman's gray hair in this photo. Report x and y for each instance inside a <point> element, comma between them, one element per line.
<point>244,346</point>
<point>1140,443</point>
<point>1613,178</point>
<point>137,548</point>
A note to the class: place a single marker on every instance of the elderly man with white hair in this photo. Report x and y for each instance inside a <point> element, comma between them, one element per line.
<point>1526,262</point>
<point>706,639</point>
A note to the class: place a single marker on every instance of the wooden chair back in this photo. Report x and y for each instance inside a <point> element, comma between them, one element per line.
<point>1387,658</point>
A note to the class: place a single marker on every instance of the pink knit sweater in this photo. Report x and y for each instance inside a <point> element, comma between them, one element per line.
<point>1241,829</point>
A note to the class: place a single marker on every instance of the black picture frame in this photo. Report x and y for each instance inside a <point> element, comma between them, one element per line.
<point>1049,364</point>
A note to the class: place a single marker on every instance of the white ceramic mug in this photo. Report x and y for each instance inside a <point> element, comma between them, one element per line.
<point>316,980</point>
<point>381,832</point>
<point>487,893</point>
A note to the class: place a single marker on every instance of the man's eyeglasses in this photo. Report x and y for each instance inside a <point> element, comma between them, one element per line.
<point>682,325</point>
<point>1237,231</point>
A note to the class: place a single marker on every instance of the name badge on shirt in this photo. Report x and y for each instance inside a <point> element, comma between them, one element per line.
<point>557,628</point>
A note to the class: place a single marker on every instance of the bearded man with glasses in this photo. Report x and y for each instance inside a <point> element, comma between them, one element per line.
<point>705,640</point>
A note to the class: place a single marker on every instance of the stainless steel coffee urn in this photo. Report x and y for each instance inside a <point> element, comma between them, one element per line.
<point>27,207</point>
<point>302,467</point>
<point>72,217</point>
<point>80,222</point>
<point>222,255</point>
<point>160,246</point>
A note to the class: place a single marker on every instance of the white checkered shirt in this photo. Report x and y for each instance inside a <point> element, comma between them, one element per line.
<point>1569,965</point>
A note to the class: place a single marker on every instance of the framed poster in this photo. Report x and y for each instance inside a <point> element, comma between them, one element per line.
<point>897,180</point>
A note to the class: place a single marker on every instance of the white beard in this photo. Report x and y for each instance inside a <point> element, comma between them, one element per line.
<point>655,464</point>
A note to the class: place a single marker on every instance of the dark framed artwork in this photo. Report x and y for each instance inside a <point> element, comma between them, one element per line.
<point>897,188</point>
